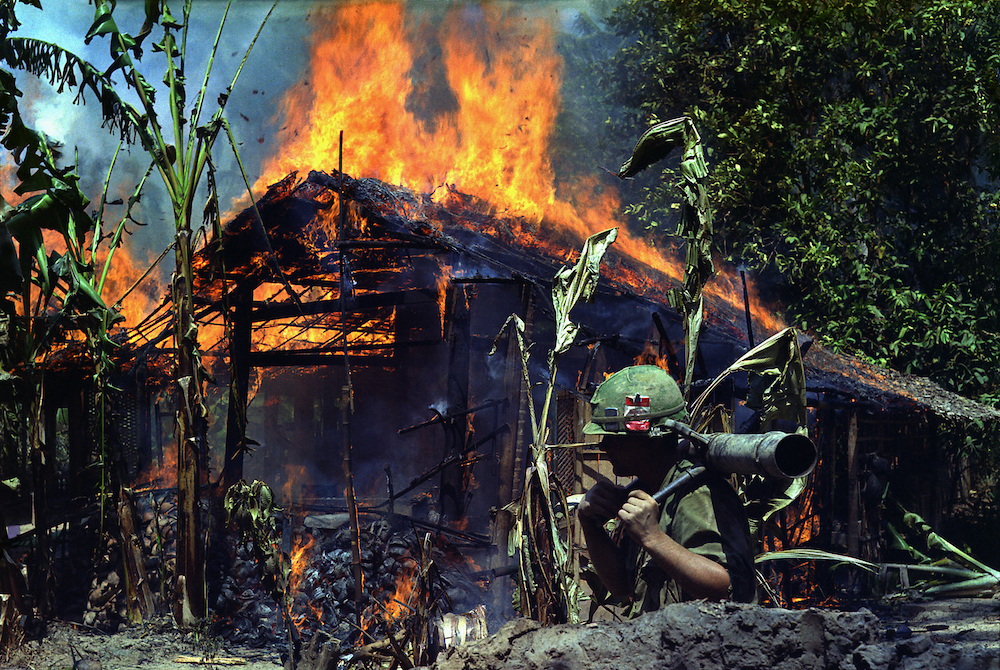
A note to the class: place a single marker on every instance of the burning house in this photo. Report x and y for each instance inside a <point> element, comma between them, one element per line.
<point>356,320</point>
<point>348,324</point>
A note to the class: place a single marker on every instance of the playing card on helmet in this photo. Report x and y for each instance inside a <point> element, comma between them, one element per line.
<point>636,405</point>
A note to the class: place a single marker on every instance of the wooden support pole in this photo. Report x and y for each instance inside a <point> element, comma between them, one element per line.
<point>348,411</point>
<point>80,440</point>
<point>452,492</point>
<point>853,506</point>
<point>509,448</point>
<point>239,362</point>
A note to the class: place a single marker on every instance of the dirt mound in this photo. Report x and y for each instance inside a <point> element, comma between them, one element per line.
<point>717,636</point>
<point>955,634</point>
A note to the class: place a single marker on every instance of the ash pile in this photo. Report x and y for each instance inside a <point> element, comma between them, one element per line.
<point>411,582</point>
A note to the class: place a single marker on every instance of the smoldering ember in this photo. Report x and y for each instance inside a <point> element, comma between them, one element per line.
<point>387,464</point>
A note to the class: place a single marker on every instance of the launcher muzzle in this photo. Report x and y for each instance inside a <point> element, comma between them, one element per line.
<point>771,454</point>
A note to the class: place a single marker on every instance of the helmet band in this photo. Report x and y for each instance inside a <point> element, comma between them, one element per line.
<point>616,418</point>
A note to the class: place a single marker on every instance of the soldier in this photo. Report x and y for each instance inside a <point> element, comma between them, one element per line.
<point>697,545</point>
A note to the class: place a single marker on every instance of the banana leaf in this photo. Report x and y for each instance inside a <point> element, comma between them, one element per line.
<point>921,530</point>
<point>815,555</point>
<point>547,589</point>
<point>695,223</point>
<point>778,384</point>
<point>571,285</point>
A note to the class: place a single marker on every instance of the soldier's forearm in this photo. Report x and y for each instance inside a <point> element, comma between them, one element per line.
<point>698,576</point>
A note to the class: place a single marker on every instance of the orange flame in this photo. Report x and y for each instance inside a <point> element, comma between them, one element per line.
<point>396,606</point>
<point>477,118</point>
<point>299,558</point>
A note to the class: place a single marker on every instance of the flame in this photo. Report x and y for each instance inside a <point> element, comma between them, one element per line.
<point>162,472</point>
<point>396,606</point>
<point>125,288</point>
<point>443,282</point>
<point>299,558</point>
<point>8,181</point>
<point>466,105</point>
<point>650,356</point>
<point>406,586</point>
<point>727,285</point>
<point>296,476</point>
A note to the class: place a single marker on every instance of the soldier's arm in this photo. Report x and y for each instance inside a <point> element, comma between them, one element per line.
<point>698,576</point>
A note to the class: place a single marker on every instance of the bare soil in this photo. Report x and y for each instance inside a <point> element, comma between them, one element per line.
<point>153,645</point>
<point>723,636</point>
<point>955,633</point>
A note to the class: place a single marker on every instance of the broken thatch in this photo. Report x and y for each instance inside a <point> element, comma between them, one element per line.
<point>870,386</point>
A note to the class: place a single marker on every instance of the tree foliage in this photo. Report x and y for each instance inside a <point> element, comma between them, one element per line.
<point>854,152</point>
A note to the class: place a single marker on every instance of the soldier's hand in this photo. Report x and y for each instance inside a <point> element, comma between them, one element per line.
<point>601,502</point>
<point>641,516</point>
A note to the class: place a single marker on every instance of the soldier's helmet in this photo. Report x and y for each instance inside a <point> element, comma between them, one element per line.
<point>637,399</point>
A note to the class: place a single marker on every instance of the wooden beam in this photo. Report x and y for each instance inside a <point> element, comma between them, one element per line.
<point>271,311</point>
<point>239,358</point>
<point>853,501</point>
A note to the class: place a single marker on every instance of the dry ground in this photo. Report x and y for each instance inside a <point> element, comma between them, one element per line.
<point>971,625</point>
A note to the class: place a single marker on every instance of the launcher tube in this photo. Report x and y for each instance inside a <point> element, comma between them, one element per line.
<point>772,454</point>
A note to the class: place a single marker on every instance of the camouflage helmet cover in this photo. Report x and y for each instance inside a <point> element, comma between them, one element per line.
<point>646,392</point>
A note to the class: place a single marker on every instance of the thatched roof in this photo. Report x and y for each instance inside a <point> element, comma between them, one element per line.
<point>511,247</point>
<point>888,390</point>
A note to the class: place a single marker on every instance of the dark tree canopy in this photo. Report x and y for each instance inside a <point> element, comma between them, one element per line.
<point>854,155</point>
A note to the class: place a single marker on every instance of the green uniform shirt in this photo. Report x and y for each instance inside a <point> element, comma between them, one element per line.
<point>709,521</point>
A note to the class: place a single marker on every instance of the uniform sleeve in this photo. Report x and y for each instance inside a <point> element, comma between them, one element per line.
<point>715,526</point>
<point>694,525</point>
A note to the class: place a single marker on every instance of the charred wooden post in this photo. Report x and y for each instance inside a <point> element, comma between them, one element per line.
<point>239,361</point>
<point>304,413</point>
<point>78,437</point>
<point>510,453</point>
<point>389,491</point>
<point>944,473</point>
<point>522,450</point>
<point>144,445</point>
<point>826,483</point>
<point>348,402</point>
<point>853,508</point>
<point>451,500</point>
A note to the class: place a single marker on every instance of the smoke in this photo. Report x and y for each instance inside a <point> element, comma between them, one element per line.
<point>274,62</point>
<point>277,63</point>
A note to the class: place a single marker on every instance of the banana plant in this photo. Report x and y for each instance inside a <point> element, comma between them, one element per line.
<point>547,590</point>
<point>48,290</point>
<point>938,568</point>
<point>251,508</point>
<point>950,570</point>
<point>695,224</point>
<point>179,145</point>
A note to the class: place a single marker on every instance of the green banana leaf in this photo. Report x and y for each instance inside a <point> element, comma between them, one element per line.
<point>695,223</point>
<point>571,285</point>
<point>778,388</point>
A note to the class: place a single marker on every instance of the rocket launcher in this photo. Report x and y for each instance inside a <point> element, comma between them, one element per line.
<point>771,454</point>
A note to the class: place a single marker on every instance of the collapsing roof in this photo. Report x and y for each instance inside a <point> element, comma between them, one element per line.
<point>389,229</point>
